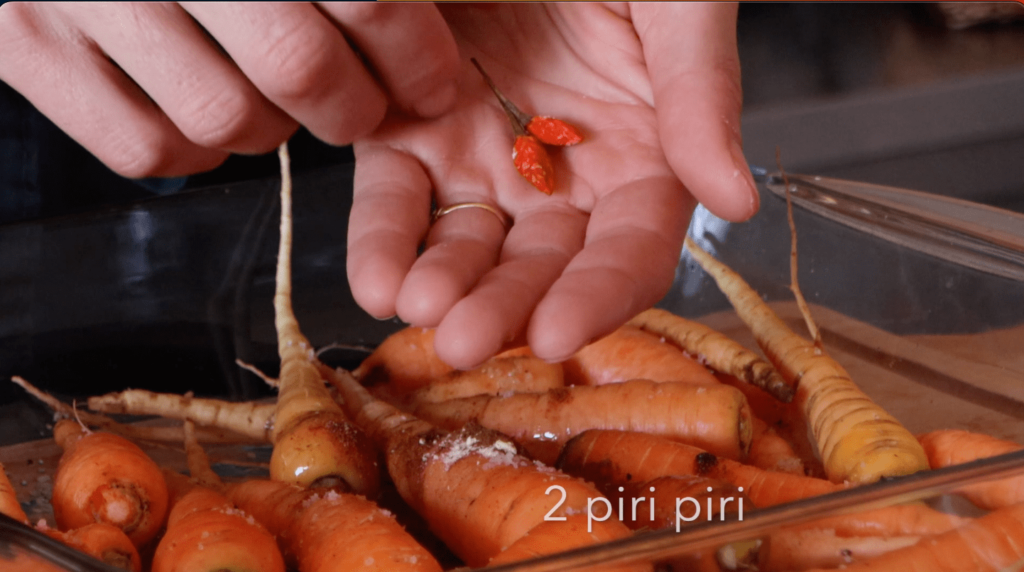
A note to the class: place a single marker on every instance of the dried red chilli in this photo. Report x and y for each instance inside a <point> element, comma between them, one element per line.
<point>530,158</point>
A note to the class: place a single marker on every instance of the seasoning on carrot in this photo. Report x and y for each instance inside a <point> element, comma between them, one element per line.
<point>103,477</point>
<point>822,548</point>
<point>330,531</point>
<point>528,153</point>
<point>314,443</point>
<point>950,447</point>
<point>713,417</point>
<point>206,532</point>
<point>720,352</point>
<point>473,488</point>
<point>9,504</point>
<point>252,419</point>
<point>631,353</point>
<point>857,440</point>
<point>104,542</point>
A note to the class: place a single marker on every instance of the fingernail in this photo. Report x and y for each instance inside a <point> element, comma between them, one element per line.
<point>438,101</point>
<point>742,171</point>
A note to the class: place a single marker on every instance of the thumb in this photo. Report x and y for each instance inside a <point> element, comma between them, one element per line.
<point>693,63</point>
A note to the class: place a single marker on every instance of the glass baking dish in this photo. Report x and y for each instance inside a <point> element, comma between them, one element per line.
<point>920,298</point>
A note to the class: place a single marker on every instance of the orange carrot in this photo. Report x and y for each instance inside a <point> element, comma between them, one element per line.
<point>106,478</point>
<point>330,531</point>
<point>314,443</point>
<point>631,353</point>
<point>623,455</point>
<point>988,544</point>
<point>405,360</point>
<point>550,537</point>
<point>857,440</point>
<point>783,418</point>
<point>9,504</point>
<point>912,519</point>
<point>205,532</point>
<point>475,491</point>
<point>822,548</point>
<point>717,350</point>
<point>769,451</point>
<point>954,447</point>
<point>498,375</point>
<point>671,494</point>
<point>104,542</point>
<point>714,417</point>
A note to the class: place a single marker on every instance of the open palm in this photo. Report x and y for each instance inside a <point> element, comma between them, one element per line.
<point>654,88</point>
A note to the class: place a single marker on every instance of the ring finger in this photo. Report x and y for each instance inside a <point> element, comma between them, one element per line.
<point>461,246</point>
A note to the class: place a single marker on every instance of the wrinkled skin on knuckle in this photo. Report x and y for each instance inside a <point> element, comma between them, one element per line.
<point>219,119</point>
<point>294,63</point>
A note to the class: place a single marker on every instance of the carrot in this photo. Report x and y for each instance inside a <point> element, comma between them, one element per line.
<point>814,548</point>
<point>655,503</point>
<point>550,537</point>
<point>205,531</point>
<point>251,419</point>
<point>714,417</point>
<point>857,440</point>
<point>496,376</point>
<point>783,418</point>
<point>327,531</point>
<point>134,432</point>
<point>988,544</point>
<point>954,447</point>
<point>631,353</point>
<point>472,487</point>
<point>622,455</point>
<point>912,519</point>
<point>314,443</point>
<point>769,451</point>
<point>720,352</point>
<point>406,360</point>
<point>104,542</point>
<point>103,477</point>
<point>9,504</point>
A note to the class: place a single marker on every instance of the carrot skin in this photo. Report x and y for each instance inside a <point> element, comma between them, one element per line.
<point>714,417</point>
<point>954,447</point>
<point>623,455</point>
<point>104,542</point>
<point>769,451</point>
<point>405,360</point>
<point>719,352</point>
<point>328,531</point>
<point>988,544</point>
<point>858,441</point>
<point>631,353</point>
<point>472,487</point>
<point>207,533</point>
<point>550,537</point>
<point>496,376</point>
<point>814,548</point>
<point>105,478</point>
<point>9,504</point>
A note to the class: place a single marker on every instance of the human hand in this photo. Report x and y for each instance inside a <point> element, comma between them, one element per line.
<point>655,89</point>
<point>150,93</point>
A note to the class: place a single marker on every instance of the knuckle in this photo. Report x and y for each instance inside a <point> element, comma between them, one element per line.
<point>217,119</point>
<point>295,63</point>
<point>358,15</point>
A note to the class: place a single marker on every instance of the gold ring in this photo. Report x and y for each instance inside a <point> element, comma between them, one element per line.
<point>502,217</point>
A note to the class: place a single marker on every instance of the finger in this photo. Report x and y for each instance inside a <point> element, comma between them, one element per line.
<point>56,67</point>
<point>163,50</point>
<point>461,247</point>
<point>389,217</point>
<point>694,67</point>
<point>535,253</point>
<point>300,61</point>
<point>411,49</point>
<point>633,242</point>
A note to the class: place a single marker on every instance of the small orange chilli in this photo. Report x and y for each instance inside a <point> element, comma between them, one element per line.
<point>533,163</point>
